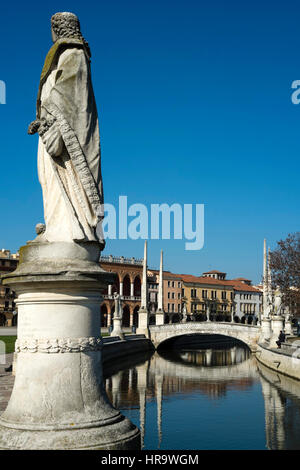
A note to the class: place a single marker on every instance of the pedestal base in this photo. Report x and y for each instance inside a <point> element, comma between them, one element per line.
<point>266,331</point>
<point>288,328</point>
<point>121,435</point>
<point>117,328</point>
<point>159,318</point>
<point>277,326</point>
<point>143,327</point>
<point>58,400</point>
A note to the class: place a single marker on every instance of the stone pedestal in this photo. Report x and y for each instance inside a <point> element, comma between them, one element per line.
<point>143,328</point>
<point>277,326</point>
<point>58,400</point>
<point>266,330</point>
<point>288,327</point>
<point>117,328</point>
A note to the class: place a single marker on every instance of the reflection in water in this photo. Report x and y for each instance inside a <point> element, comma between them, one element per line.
<point>282,409</point>
<point>206,399</point>
<point>226,356</point>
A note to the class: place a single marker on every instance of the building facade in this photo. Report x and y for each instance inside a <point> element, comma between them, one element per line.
<point>247,301</point>
<point>207,298</point>
<point>172,297</point>
<point>129,272</point>
<point>8,309</point>
<point>211,296</point>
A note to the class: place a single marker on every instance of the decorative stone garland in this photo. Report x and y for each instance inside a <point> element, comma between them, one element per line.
<point>62,345</point>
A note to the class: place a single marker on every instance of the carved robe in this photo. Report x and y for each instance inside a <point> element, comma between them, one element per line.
<point>69,150</point>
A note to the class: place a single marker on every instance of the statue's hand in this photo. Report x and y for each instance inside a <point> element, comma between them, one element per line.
<point>34,126</point>
<point>51,137</point>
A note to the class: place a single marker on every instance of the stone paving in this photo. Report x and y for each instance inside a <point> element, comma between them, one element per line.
<point>6,383</point>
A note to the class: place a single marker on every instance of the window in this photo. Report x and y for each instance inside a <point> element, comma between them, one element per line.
<point>173,284</point>
<point>168,295</point>
<point>179,284</point>
<point>223,295</point>
<point>179,295</point>
<point>204,294</point>
<point>169,283</point>
<point>213,294</point>
<point>173,295</point>
<point>182,291</point>
<point>194,292</point>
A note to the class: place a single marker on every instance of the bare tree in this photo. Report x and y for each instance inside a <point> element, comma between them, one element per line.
<point>285,267</point>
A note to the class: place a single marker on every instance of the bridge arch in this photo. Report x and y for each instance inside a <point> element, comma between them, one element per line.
<point>247,334</point>
<point>201,340</point>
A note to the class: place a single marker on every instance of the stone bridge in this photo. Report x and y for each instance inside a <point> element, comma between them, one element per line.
<point>248,334</point>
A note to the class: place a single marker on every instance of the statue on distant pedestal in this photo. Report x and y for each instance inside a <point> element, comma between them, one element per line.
<point>184,313</point>
<point>268,308</point>
<point>118,316</point>
<point>69,146</point>
<point>277,302</point>
<point>118,306</point>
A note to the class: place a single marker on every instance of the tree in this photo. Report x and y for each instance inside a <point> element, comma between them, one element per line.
<point>285,268</point>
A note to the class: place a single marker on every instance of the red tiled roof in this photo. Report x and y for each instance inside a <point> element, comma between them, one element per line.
<point>203,280</point>
<point>239,285</point>
<point>234,283</point>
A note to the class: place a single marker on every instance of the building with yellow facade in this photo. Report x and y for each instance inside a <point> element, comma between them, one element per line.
<point>208,296</point>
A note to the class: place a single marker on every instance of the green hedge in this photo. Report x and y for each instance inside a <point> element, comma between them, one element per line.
<point>9,343</point>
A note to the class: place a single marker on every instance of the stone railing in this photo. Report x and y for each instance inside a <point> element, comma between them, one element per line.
<point>120,260</point>
<point>123,297</point>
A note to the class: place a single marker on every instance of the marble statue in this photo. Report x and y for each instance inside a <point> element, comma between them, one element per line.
<point>184,313</point>
<point>117,319</point>
<point>118,306</point>
<point>69,143</point>
<point>58,400</point>
<point>269,307</point>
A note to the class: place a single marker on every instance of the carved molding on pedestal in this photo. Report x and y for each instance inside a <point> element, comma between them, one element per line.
<point>61,345</point>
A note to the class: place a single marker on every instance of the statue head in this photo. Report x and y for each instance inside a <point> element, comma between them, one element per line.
<point>66,25</point>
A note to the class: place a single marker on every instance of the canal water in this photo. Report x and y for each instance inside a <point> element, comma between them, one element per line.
<point>204,396</point>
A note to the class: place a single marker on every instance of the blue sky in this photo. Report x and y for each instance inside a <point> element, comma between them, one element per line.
<point>194,101</point>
